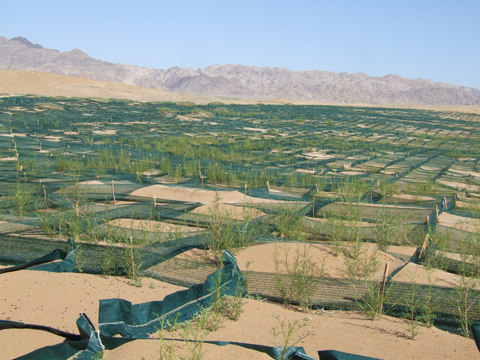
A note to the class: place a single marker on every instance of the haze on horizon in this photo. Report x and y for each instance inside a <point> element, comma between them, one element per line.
<point>435,40</point>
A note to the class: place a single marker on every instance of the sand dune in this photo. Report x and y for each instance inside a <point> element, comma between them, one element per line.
<point>14,82</point>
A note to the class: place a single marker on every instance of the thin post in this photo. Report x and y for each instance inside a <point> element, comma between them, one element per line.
<point>382,290</point>
<point>45,195</point>
<point>155,200</point>
<point>113,194</point>
<point>424,246</point>
<point>313,207</point>
<point>268,186</point>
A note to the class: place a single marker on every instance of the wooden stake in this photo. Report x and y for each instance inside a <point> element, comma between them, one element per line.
<point>424,246</point>
<point>155,200</point>
<point>268,186</point>
<point>313,208</point>
<point>45,194</point>
<point>382,290</point>
<point>113,194</point>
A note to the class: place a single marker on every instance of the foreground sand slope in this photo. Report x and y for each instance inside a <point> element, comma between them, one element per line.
<point>57,299</point>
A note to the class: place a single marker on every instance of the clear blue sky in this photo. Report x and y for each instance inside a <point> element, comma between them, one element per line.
<point>437,40</point>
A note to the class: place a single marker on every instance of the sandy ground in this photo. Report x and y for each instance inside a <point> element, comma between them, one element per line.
<point>150,225</point>
<point>57,299</point>
<point>9,158</point>
<point>260,258</point>
<point>233,212</point>
<point>177,193</point>
<point>46,84</point>
<point>199,195</point>
<point>465,205</point>
<point>459,222</point>
<point>346,222</point>
<point>412,197</point>
<point>458,185</point>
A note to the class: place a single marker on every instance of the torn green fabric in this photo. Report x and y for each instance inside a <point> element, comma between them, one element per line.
<point>117,316</point>
<point>339,355</point>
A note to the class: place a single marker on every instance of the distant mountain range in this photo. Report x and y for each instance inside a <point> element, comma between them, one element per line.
<point>239,81</point>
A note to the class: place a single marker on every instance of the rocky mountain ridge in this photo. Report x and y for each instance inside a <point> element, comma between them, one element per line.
<point>239,81</point>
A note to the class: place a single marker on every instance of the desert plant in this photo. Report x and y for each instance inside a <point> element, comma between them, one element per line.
<point>466,297</point>
<point>467,289</point>
<point>289,333</point>
<point>361,263</point>
<point>385,228</point>
<point>435,253</point>
<point>302,273</point>
<point>429,303</point>
<point>290,224</point>
<point>167,348</point>
<point>132,256</point>
<point>226,233</point>
<point>193,335</point>
<point>222,233</point>
<point>22,198</point>
<point>337,232</point>
<point>412,306</point>
<point>281,287</point>
<point>369,297</point>
<point>209,318</point>
<point>109,265</point>
<point>232,306</point>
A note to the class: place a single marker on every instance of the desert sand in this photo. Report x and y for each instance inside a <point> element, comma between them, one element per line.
<point>458,222</point>
<point>150,225</point>
<point>56,300</point>
<point>15,82</point>
<point>199,195</point>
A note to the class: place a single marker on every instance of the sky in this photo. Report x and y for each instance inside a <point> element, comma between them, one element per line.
<point>436,40</point>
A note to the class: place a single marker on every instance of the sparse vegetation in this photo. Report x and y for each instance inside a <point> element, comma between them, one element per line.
<point>346,176</point>
<point>289,333</point>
